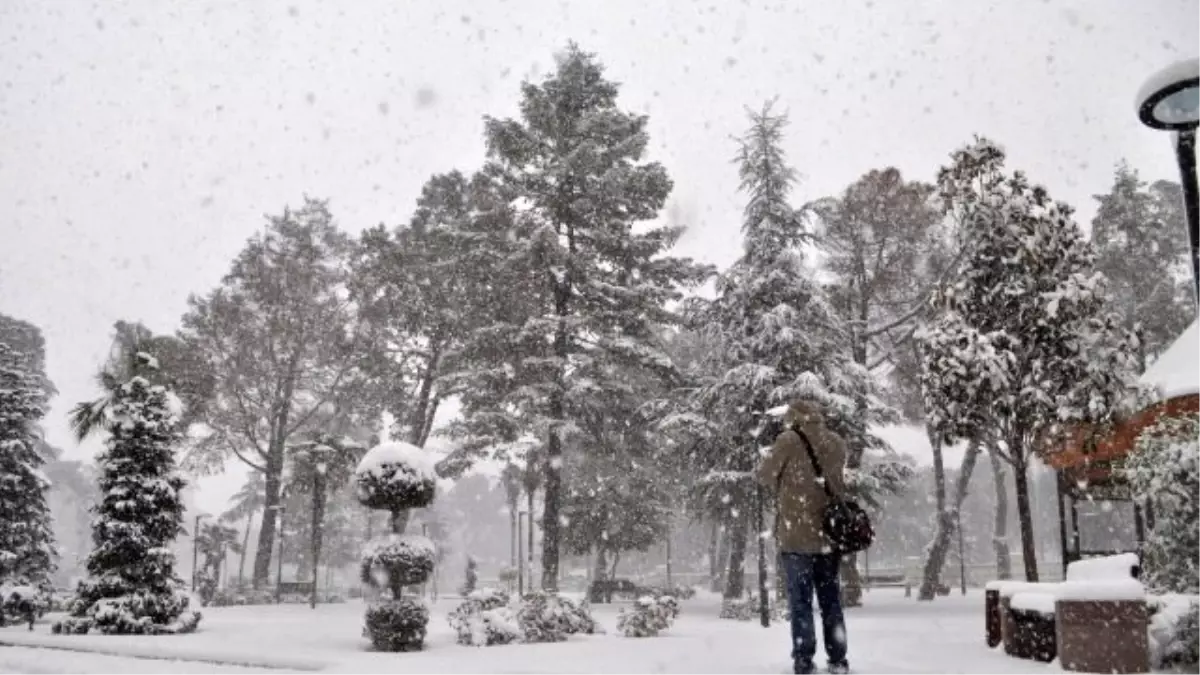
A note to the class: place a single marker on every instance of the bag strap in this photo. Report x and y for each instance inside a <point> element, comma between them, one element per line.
<point>812,457</point>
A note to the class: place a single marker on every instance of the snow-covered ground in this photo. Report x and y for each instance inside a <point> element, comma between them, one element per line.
<point>890,634</point>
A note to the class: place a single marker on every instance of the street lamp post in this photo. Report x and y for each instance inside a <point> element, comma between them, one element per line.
<point>279,561</point>
<point>196,547</point>
<point>1170,101</point>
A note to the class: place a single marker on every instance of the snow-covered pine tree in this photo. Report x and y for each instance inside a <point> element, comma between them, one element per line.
<point>593,279</point>
<point>131,585</point>
<point>1164,470</point>
<point>27,555</point>
<point>779,340</point>
<point>1141,248</point>
<point>1022,345</point>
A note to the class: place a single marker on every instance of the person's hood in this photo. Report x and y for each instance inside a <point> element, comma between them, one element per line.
<point>805,413</point>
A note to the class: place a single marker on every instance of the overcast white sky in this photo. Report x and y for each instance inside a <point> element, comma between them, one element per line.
<point>141,142</point>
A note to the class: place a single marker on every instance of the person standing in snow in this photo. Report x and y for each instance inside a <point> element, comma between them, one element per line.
<point>809,563</point>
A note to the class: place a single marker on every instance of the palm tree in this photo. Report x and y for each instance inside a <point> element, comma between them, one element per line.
<point>321,463</point>
<point>510,477</point>
<point>136,351</point>
<point>245,504</point>
<point>214,542</point>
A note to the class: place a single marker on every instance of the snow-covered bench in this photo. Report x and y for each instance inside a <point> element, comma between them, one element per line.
<point>997,595</point>
<point>1029,624</point>
<point>1094,621</point>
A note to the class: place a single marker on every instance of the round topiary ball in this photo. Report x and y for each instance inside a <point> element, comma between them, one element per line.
<point>394,476</point>
<point>397,560</point>
<point>397,625</point>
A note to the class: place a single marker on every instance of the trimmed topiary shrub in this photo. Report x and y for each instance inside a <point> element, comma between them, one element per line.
<point>397,625</point>
<point>402,559</point>
<point>396,477</point>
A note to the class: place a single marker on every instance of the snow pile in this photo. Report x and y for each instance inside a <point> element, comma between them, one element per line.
<point>1175,372</point>
<point>1033,601</point>
<point>397,560</point>
<point>1121,566</point>
<point>648,617</point>
<point>1008,588</point>
<point>1104,589</point>
<point>396,475</point>
<point>485,619</point>
<point>1174,632</point>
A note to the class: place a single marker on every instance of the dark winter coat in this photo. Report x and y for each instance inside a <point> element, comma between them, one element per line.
<point>787,471</point>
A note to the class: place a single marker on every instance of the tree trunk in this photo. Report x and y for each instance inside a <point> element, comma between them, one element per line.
<point>946,527</point>
<point>718,580</point>
<point>398,521</point>
<point>245,550</point>
<point>550,503</point>
<point>266,532</point>
<point>600,574</point>
<point>1000,526</point>
<point>713,541</point>
<point>529,535</point>
<point>512,523</point>
<point>735,579</point>
<point>612,573</point>
<point>764,598</point>
<point>318,515</point>
<point>1025,515</point>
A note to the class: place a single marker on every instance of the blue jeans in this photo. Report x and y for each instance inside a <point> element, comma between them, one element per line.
<point>806,573</point>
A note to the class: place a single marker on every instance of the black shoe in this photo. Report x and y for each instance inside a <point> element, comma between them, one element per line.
<point>839,668</point>
<point>803,668</point>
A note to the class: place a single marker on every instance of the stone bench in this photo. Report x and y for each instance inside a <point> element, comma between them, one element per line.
<point>1103,627</point>
<point>995,606</point>
<point>1029,628</point>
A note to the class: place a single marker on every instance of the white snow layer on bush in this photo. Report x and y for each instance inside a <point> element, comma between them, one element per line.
<point>1173,630</point>
<point>422,463</point>
<point>413,545</point>
<point>1114,567</point>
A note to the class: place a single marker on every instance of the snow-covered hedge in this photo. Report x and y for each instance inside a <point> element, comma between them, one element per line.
<point>747,609</point>
<point>392,560</point>
<point>486,619</point>
<point>1164,469</point>
<point>648,616</point>
<point>1174,632</point>
<point>22,603</point>
<point>396,476</point>
<point>549,617</point>
<point>139,613</point>
<point>397,625</point>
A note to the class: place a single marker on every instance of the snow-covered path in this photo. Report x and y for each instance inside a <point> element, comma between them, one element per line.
<point>890,634</point>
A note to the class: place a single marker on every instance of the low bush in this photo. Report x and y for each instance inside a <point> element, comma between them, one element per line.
<point>397,625</point>
<point>648,616</point>
<point>485,619</point>
<point>1174,632</point>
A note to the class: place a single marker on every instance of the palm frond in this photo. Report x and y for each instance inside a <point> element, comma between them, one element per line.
<point>89,417</point>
